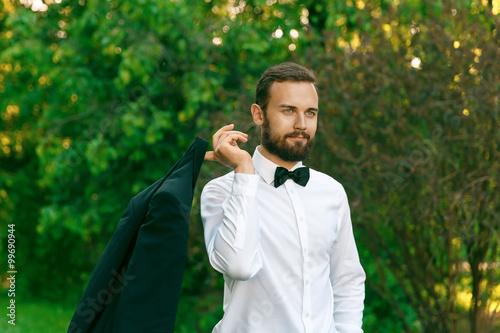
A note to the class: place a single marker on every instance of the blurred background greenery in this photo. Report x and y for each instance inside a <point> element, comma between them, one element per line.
<point>99,98</point>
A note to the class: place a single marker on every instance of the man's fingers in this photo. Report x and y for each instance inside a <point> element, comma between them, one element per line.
<point>223,136</point>
<point>232,137</point>
<point>209,156</point>
<point>225,145</point>
<point>228,138</point>
<point>222,130</point>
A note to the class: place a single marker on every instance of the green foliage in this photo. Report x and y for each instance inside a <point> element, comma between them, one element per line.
<point>412,124</point>
<point>99,99</point>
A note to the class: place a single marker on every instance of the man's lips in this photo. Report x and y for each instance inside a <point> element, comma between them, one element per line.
<point>298,136</point>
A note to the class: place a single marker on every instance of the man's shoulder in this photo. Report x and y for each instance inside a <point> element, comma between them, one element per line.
<point>223,182</point>
<point>323,180</point>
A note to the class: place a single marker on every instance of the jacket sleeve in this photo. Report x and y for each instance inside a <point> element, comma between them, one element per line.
<point>347,276</point>
<point>231,225</point>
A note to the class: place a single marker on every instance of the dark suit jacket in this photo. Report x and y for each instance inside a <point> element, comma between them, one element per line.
<point>135,286</point>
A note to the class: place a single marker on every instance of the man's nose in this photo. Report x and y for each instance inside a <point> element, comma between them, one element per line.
<point>300,122</point>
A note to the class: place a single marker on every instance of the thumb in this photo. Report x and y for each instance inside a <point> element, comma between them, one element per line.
<point>209,156</point>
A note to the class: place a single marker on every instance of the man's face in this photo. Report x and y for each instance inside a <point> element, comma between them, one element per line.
<point>290,120</point>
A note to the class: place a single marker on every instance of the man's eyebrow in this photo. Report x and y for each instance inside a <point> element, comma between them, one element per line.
<point>294,107</point>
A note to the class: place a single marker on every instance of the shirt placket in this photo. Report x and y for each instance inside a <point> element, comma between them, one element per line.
<point>301,221</point>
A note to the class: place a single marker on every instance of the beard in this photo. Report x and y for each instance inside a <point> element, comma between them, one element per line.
<point>277,145</point>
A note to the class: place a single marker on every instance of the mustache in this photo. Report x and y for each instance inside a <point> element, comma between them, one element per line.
<point>296,134</point>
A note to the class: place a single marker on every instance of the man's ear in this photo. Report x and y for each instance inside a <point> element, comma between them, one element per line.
<point>257,114</point>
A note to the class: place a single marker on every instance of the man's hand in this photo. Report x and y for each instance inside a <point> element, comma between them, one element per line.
<point>227,152</point>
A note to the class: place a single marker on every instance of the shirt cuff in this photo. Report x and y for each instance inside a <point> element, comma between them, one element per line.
<point>245,184</point>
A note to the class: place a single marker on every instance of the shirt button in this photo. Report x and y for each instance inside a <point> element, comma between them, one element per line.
<point>307,315</point>
<point>307,281</point>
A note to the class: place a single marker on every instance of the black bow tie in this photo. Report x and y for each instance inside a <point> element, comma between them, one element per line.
<point>299,175</point>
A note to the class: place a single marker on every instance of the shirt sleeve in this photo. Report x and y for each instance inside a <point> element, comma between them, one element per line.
<point>347,276</point>
<point>231,226</point>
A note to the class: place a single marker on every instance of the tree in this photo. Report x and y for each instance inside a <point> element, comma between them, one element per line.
<point>412,122</point>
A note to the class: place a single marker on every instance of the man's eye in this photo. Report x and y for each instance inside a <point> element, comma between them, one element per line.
<point>288,110</point>
<point>311,113</point>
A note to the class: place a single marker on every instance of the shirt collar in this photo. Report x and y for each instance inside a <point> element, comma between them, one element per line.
<point>265,168</point>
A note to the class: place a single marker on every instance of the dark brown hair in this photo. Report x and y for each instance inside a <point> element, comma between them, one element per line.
<point>287,71</point>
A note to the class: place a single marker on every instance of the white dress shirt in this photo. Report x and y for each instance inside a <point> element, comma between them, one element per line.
<point>288,254</point>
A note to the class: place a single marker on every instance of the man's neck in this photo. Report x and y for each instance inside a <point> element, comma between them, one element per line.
<point>275,159</point>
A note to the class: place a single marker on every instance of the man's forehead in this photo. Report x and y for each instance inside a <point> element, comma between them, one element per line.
<point>290,91</point>
<point>280,84</point>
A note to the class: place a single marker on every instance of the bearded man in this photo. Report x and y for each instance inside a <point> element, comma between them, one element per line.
<point>280,232</point>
